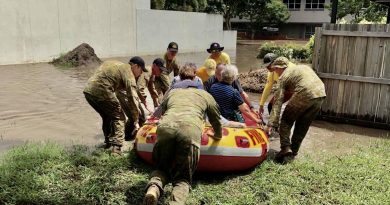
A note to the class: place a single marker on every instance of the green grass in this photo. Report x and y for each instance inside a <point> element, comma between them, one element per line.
<point>51,174</point>
<point>62,63</point>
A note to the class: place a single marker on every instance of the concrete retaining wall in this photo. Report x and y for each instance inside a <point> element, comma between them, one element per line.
<point>39,30</point>
<point>192,31</point>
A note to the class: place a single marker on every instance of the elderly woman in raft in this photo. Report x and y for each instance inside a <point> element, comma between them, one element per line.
<point>231,104</point>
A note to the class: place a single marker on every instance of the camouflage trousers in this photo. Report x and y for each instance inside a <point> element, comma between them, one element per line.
<point>129,126</point>
<point>302,113</point>
<point>112,116</point>
<point>176,157</point>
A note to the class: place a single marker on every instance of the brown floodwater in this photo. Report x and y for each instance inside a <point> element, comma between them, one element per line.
<point>40,102</point>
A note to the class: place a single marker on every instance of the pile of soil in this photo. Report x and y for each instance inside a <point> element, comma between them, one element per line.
<point>253,81</point>
<point>82,55</point>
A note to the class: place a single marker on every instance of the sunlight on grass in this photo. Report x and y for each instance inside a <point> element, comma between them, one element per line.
<point>47,173</point>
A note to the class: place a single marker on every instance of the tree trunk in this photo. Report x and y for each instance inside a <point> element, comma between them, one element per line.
<point>228,23</point>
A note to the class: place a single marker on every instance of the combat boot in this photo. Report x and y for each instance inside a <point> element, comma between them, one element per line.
<point>180,193</point>
<point>284,152</point>
<point>152,195</point>
<point>116,150</point>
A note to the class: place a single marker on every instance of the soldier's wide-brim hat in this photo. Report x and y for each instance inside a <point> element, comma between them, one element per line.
<point>215,47</point>
<point>281,62</point>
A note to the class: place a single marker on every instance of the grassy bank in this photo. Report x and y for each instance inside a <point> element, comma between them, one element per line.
<point>51,174</point>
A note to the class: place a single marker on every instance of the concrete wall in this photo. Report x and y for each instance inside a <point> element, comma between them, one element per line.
<point>39,30</point>
<point>192,31</point>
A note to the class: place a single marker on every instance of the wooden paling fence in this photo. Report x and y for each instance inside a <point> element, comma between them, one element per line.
<point>354,63</point>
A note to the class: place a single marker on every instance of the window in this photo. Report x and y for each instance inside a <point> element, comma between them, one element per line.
<point>292,4</point>
<point>309,31</point>
<point>315,4</point>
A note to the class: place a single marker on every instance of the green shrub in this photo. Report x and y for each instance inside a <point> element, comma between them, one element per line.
<point>288,50</point>
<point>310,48</point>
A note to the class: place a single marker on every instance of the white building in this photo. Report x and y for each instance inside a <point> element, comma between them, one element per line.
<point>305,15</point>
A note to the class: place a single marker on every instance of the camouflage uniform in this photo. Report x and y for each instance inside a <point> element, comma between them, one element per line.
<point>308,95</point>
<point>110,78</point>
<point>179,134</point>
<point>142,84</point>
<point>158,86</point>
<point>172,65</point>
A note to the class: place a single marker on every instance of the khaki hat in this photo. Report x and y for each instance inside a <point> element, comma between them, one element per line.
<point>281,62</point>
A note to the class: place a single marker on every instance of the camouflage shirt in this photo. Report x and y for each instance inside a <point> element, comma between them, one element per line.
<point>142,84</point>
<point>172,65</point>
<point>303,82</point>
<point>190,106</point>
<point>112,77</point>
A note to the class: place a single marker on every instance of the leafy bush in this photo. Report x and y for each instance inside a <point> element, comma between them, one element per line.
<point>288,50</point>
<point>310,48</point>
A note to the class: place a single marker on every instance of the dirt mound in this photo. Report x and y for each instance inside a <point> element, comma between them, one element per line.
<point>253,81</point>
<point>82,55</point>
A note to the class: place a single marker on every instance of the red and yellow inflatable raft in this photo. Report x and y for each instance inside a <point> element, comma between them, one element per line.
<point>239,148</point>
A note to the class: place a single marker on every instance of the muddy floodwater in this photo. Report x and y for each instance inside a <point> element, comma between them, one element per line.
<point>40,102</point>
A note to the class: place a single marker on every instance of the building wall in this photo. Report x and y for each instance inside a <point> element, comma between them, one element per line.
<point>300,21</point>
<point>39,30</point>
<point>309,16</point>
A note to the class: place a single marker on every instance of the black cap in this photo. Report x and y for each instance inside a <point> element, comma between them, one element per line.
<point>172,46</point>
<point>160,63</point>
<point>269,58</point>
<point>139,61</point>
<point>215,47</point>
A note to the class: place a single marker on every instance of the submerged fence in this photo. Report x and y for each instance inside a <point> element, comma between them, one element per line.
<point>354,63</point>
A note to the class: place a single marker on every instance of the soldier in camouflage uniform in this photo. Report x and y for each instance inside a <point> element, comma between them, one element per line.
<point>171,60</point>
<point>109,78</point>
<point>159,84</point>
<point>308,95</point>
<point>142,77</point>
<point>176,152</point>
<point>159,81</point>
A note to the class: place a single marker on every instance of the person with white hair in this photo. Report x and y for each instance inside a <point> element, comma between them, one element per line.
<point>231,104</point>
<point>236,85</point>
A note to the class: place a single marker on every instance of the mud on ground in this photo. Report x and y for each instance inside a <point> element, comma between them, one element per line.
<point>82,55</point>
<point>253,81</point>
